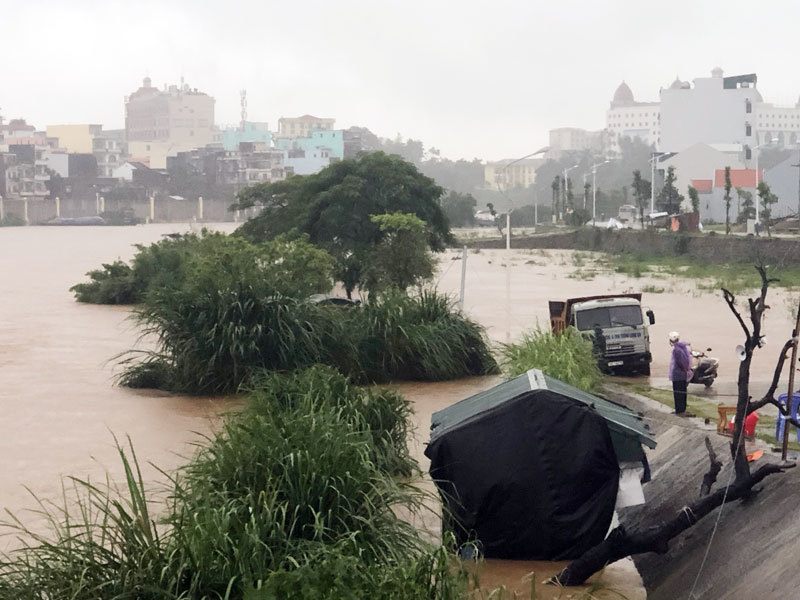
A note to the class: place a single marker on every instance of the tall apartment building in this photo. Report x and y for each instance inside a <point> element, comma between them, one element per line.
<point>161,123</point>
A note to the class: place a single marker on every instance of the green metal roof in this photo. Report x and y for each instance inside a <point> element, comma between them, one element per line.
<point>626,427</point>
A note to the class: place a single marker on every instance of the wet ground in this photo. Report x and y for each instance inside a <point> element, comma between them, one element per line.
<point>60,407</point>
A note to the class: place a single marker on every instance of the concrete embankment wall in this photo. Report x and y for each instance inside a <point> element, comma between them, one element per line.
<point>164,210</point>
<point>704,247</point>
<point>754,550</point>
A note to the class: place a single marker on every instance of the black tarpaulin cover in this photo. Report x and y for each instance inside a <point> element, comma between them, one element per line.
<point>534,476</point>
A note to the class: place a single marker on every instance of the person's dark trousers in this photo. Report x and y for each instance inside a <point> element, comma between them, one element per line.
<point>679,393</point>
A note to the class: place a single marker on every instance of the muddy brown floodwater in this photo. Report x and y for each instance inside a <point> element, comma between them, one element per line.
<point>60,408</point>
<point>58,404</point>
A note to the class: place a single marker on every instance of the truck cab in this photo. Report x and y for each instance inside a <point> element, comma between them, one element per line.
<point>619,319</point>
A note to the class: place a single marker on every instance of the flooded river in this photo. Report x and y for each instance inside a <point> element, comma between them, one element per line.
<point>60,407</point>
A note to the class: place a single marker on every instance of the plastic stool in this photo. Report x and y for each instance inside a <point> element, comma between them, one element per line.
<point>781,421</point>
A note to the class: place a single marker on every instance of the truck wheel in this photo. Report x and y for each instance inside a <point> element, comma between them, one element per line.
<point>708,383</point>
<point>646,370</point>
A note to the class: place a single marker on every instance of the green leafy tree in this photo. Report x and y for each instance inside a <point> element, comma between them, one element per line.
<point>747,208</point>
<point>402,258</point>
<point>334,208</point>
<point>767,200</point>
<point>641,191</point>
<point>727,199</point>
<point>459,209</point>
<point>669,199</point>
<point>694,199</point>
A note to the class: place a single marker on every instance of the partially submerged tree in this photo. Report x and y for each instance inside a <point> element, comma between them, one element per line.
<point>459,209</point>
<point>669,199</point>
<point>767,199</point>
<point>694,199</point>
<point>747,209</point>
<point>728,200</point>
<point>402,258</point>
<point>334,208</point>
<point>640,189</point>
<point>621,542</point>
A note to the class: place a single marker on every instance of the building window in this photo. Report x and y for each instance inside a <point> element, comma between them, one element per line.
<point>748,107</point>
<point>748,130</point>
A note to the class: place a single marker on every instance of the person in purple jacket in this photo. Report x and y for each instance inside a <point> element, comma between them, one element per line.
<point>680,368</point>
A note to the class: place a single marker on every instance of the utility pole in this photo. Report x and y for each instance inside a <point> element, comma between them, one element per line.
<point>798,188</point>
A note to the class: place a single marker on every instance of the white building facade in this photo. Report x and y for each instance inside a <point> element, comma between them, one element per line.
<point>708,110</point>
<point>626,117</point>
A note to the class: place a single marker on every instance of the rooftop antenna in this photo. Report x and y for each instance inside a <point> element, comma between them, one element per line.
<point>243,103</point>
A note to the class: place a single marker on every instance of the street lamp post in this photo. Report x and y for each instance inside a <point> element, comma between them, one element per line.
<point>653,159</point>
<point>500,189</point>
<point>594,189</point>
<point>564,203</point>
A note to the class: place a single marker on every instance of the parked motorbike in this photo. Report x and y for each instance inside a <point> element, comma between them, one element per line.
<point>704,368</point>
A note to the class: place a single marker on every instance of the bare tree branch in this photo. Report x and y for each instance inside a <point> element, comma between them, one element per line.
<point>731,300</point>
<point>769,396</point>
<point>713,470</point>
<point>621,543</point>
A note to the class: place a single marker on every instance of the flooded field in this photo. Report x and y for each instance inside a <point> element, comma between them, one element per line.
<point>60,407</point>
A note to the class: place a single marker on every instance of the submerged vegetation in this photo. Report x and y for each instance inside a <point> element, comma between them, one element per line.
<point>214,338</point>
<point>293,497</point>
<point>567,356</point>
<point>290,264</point>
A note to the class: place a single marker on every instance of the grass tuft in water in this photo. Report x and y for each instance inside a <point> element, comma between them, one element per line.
<point>568,357</point>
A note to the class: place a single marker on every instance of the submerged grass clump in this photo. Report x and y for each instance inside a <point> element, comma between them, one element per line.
<point>293,497</point>
<point>214,340</point>
<point>567,356</point>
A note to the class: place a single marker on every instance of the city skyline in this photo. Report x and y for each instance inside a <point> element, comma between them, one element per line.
<point>469,81</point>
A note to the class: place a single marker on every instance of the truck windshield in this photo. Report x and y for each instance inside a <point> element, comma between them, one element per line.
<point>608,316</point>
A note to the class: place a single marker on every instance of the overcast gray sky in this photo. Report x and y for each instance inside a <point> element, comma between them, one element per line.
<point>474,79</point>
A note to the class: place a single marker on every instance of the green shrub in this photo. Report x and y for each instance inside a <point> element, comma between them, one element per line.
<point>113,284</point>
<point>418,338</point>
<point>382,413</point>
<point>288,265</point>
<point>567,356</point>
<point>102,543</point>
<point>275,487</point>
<point>338,576</point>
<point>292,498</point>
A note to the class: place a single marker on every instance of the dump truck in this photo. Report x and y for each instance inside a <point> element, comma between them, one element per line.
<point>619,319</point>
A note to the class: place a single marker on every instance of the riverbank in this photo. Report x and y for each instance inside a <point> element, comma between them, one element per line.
<point>749,545</point>
<point>710,247</point>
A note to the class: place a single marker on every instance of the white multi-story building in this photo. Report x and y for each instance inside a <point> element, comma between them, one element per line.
<point>626,117</point>
<point>520,174</point>
<point>708,110</point>
<point>160,123</point>
<point>299,127</point>
<point>575,139</point>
